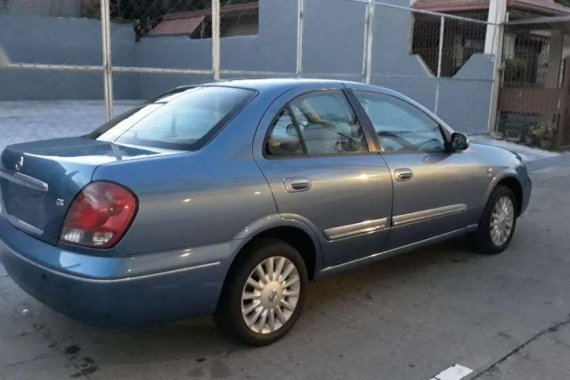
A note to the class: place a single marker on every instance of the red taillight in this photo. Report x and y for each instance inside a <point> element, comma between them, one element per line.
<point>99,216</point>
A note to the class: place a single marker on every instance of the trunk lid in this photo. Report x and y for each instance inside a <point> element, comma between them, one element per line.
<point>39,180</point>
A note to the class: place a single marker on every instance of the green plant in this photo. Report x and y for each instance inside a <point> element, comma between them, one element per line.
<point>516,71</point>
<point>544,133</point>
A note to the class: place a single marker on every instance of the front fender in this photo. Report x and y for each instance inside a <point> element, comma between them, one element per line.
<point>518,174</point>
<point>503,164</point>
<point>498,177</point>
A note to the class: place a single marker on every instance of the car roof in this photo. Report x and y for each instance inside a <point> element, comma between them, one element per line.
<point>281,83</point>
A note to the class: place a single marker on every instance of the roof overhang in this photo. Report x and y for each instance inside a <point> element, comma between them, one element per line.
<point>544,7</point>
<point>540,7</point>
<point>188,22</point>
<point>544,23</point>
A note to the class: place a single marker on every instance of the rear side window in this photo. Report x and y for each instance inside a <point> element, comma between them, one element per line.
<point>181,121</point>
<point>319,123</point>
<point>284,139</point>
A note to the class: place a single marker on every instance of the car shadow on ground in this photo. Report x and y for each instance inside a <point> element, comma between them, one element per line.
<point>200,340</point>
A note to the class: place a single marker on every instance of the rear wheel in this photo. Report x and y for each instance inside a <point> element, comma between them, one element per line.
<point>264,294</point>
<point>497,225</point>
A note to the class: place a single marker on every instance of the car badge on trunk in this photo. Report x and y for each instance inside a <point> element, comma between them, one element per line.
<point>19,164</point>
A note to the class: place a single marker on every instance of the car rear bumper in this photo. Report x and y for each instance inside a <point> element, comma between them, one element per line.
<point>114,291</point>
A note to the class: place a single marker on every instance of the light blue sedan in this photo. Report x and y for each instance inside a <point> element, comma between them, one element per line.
<point>227,198</point>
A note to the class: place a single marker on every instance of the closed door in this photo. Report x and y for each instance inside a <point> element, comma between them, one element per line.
<point>435,189</point>
<point>318,164</point>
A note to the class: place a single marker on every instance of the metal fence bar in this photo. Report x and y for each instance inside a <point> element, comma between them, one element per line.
<point>156,70</point>
<point>441,41</point>
<point>45,66</point>
<point>100,69</point>
<point>565,117</point>
<point>107,58</point>
<point>368,40</point>
<point>258,73</point>
<point>422,11</point>
<point>439,63</point>
<point>153,70</point>
<point>436,100</point>
<point>395,76</point>
<point>300,31</point>
<point>145,70</point>
<point>216,39</point>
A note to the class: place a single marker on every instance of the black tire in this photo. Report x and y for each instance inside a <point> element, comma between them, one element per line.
<point>228,315</point>
<point>482,237</point>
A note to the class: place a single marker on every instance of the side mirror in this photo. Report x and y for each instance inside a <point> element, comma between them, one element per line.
<point>459,142</point>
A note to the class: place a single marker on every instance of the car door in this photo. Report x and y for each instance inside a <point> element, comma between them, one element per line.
<point>435,190</point>
<point>316,158</point>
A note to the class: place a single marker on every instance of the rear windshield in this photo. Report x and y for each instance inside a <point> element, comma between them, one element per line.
<point>184,119</point>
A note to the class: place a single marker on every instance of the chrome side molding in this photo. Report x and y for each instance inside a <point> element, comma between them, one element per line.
<point>390,252</point>
<point>420,216</point>
<point>349,230</point>
<point>25,180</point>
<point>26,227</point>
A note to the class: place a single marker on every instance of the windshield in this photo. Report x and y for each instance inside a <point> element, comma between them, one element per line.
<point>179,120</point>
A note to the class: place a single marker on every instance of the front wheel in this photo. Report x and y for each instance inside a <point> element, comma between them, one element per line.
<point>264,294</point>
<point>497,225</point>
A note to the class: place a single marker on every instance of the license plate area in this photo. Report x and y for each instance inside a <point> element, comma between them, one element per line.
<point>23,206</point>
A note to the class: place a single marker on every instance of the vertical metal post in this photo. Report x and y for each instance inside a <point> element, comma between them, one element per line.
<point>441,41</point>
<point>564,127</point>
<point>107,61</point>
<point>439,62</point>
<point>494,45</point>
<point>216,39</point>
<point>300,30</point>
<point>497,11</point>
<point>368,39</point>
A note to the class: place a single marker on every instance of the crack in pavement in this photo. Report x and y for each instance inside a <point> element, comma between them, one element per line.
<point>552,329</point>
<point>20,362</point>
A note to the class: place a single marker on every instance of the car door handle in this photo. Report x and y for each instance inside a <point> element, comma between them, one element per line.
<point>294,185</point>
<point>404,174</point>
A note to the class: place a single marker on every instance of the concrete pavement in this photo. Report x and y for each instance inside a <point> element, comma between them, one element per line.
<point>22,121</point>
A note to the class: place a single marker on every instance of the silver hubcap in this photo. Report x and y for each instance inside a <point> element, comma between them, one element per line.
<point>270,295</point>
<point>502,221</point>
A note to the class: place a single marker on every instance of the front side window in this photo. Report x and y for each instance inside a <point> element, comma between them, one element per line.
<point>400,126</point>
<point>319,123</point>
<point>180,121</point>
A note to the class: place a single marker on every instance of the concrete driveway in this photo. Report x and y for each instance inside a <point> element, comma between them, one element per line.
<point>411,317</point>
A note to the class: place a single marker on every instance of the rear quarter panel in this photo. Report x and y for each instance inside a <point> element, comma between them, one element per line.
<point>195,199</point>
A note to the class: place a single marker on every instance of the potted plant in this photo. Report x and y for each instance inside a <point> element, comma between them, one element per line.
<point>544,133</point>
